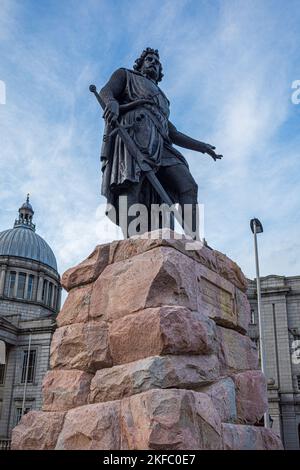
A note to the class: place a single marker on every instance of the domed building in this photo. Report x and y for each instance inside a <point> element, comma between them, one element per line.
<point>30,297</point>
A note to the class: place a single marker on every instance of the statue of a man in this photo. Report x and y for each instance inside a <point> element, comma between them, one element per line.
<point>154,136</point>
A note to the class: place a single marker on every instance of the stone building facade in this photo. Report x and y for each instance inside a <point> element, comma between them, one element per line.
<point>30,297</point>
<point>281,327</point>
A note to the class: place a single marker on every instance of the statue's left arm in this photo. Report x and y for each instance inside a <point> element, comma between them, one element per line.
<point>183,140</point>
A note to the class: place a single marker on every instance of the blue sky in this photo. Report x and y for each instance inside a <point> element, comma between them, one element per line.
<point>229,67</point>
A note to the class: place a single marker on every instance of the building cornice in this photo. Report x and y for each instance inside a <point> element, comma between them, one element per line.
<point>6,325</point>
<point>36,329</point>
<point>28,302</point>
<point>18,262</point>
<point>274,290</point>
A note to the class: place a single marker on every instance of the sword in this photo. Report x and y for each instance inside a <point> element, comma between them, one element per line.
<point>140,158</point>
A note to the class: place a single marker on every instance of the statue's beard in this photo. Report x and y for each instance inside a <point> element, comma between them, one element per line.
<point>150,73</point>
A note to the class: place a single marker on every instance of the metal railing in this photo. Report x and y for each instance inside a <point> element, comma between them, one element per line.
<point>5,444</point>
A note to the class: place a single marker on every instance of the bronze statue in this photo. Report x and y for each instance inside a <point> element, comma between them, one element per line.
<point>138,156</point>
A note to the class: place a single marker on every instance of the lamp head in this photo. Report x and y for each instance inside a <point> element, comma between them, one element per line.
<point>258,225</point>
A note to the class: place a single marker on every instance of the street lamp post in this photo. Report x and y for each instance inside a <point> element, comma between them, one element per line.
<point>256,227</point>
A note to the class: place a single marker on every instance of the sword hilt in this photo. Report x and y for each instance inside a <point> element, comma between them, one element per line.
<point>93,90</point>
<point>123,108</point>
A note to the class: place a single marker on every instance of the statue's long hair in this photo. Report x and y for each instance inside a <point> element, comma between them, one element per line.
<point>139,61</point>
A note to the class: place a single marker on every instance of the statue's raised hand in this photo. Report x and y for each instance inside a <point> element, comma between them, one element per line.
<point>111,112</point>
<point>211,151</point>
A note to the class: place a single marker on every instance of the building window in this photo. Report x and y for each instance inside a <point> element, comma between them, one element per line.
<point>21,286</point>
<point>252,320</point>
<point>298,381</point>
<point>44,291</point>
<point>2,373</point>
<point>257,343</point>
<point>54,297</point>
<point>57,296</point>
<point>49,298</point>
<point>19,413</point>
<point>11,283</point>
<point>31,366</point>
<point>30,287</point>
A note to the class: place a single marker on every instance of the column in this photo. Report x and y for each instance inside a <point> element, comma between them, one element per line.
<point>35,288</point>
<point>26,286</point>
<point>40,288</point>
<point>46,291</point>
<point>2,279</point>
<point>58,302</point>
<point>53,296</point>
<point>16,284</point>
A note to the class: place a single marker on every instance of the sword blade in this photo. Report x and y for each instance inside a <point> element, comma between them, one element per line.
<point>151,176</point>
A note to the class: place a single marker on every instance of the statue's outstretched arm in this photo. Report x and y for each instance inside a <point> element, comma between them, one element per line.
<point>183,140</point>
<point>110,94</point>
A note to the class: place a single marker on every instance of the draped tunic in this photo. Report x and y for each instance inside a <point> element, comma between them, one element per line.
<point>150,134</point>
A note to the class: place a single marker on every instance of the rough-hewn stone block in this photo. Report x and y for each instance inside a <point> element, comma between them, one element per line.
<point>236,351</point>
<point>215,297</point>
<point>37,431</point>
<point>91,427</point>
<point>251,396</point>
<point>222,394</point>
<point>154,372</point>
<point>271,440</point>
<point>212,259</point>
<point>76,307</point>
<point>243,310</point>
<point>161,276</point>
<point>88,270</point>
<point>162,330</point>
<point>170,419</point>
<point>221,300</point>
<point>171,277</point>
<point>65,389</point>
<point>242,437</point>
<point>82,346</point>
